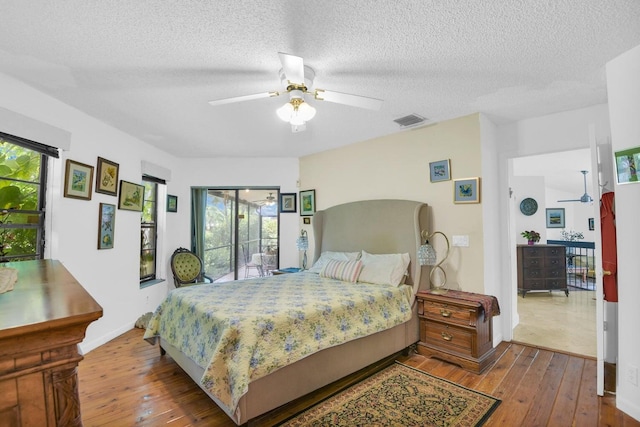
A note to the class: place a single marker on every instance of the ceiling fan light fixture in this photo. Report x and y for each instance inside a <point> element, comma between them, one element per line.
<point>285,112</point>
<point>306,111</point>
<point>296,111</point>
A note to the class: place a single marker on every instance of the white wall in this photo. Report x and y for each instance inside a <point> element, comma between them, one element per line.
<point>623,85</point>
<point>112,276</point>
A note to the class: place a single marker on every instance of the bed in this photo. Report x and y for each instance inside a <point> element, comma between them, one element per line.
<point>364,227</point>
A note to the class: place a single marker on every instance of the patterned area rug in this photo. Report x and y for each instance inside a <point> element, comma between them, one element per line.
<point>400,396</point>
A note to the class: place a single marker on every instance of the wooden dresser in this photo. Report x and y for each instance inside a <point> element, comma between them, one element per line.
<point>542,268</point>
<point>42,320</point>
<point>455,329</point>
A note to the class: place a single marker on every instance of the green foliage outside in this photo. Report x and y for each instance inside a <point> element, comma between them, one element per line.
<point>20,170</point>
<point>148,232</point>
<point>219,256</point>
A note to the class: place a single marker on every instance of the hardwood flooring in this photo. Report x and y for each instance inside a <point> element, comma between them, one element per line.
<point>127,383</point>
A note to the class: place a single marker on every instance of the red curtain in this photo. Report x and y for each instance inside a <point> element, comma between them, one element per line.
<point>609,251</point>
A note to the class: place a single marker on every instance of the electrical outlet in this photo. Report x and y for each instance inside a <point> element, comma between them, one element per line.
<point>462,241</point>
<point>632,375</point>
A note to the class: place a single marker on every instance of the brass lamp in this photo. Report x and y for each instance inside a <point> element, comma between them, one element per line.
<point>427,256</point>
<point>303,244</point>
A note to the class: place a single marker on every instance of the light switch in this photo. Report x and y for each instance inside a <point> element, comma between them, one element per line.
<point>462,241</point>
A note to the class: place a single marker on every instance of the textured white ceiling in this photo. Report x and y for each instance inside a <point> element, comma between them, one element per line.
<point>149,67</point>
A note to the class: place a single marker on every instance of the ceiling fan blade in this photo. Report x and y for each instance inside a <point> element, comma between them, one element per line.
<point>293,67</point>
<point>348,99</point>
<point>570,200</point>
<point>243,98</point>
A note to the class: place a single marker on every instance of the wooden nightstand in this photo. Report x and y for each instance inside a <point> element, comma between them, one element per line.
<point>453,327</point>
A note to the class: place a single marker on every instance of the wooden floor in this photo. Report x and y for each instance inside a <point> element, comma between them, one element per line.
<point>127,383</point>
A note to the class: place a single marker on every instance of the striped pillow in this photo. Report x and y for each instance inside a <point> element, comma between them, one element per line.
<point>347,271</point>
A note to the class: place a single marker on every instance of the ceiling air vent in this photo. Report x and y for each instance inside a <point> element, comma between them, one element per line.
<point>410,120</point>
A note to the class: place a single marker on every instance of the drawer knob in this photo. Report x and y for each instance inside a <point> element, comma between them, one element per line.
<point>446,336</point>
<point>445,313</point>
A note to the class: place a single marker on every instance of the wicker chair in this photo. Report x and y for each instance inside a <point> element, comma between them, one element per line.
<point>187,269</point>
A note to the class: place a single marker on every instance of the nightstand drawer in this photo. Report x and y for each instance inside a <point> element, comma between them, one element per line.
<point>442,311</point>
<point>449,337</point>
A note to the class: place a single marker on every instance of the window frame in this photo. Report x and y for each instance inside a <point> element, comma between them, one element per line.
<point>45,152</point>
<point>147,279</point>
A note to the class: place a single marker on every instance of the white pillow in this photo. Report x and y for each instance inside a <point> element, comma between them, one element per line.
<point>327,255</point>
<point>384,269</point>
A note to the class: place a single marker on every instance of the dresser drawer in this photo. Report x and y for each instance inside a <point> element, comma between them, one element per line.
<point>534,273</point>
<point>448,337</point>
<point>534,251</point>
<point>533,263</point>
<point>555,251</point>
<point>534,284</point>
<point>559,283</point>
<point>446,312</point>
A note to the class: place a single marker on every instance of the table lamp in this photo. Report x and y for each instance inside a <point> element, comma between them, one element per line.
<point>427,256</point>
<point>303,244</point>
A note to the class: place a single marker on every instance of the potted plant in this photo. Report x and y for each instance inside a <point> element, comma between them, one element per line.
<point>531,236</point>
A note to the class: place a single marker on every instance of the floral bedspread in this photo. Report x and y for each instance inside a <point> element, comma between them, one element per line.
<point>241,331</point>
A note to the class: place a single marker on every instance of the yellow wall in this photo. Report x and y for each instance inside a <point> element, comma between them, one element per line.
<point>397,167</point>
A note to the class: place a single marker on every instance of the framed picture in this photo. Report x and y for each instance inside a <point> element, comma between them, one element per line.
<point>592,225</point>
<point>172,203</point>
<point>288,202</point>
<point>466,190</point>
<point>106,225</point>
<point>307,202</point>
<point>306,220</point>
<point>78,180</point>
<point>107,177</point>
<point>440,171</point>
<point>555,218</point>
<point>131,196</point>
<point>627,162</point>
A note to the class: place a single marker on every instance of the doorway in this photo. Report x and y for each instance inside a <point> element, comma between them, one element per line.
<point>236,231</point>
<point>551,319</point>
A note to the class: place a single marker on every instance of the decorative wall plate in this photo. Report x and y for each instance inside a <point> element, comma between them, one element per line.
<point>528,206</point>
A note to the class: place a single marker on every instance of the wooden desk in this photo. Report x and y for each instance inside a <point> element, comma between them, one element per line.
<point>41,323</point>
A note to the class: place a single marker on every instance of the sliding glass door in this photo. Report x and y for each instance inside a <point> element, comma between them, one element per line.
<point>235,231</point>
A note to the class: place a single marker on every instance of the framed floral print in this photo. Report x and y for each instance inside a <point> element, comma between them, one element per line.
<point>288,202</point>
<point>131,196</point>
<point>106,225</point>
<point>307,202</point>
<point>107,177</point>
<point>172,203</point>
<point>78,180</point>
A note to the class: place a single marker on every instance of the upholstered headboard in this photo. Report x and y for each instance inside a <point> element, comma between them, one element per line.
<point>376,226</point>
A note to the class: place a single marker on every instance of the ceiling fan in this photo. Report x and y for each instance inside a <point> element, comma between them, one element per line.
<point>297,81</point>
<point>586,198</point>
<point>269,200</point>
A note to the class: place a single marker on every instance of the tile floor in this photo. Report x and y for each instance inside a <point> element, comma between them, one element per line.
<point>555,321</point>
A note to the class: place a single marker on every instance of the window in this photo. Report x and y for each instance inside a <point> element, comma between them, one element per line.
<point>23,171</point>
<point>149,230</point>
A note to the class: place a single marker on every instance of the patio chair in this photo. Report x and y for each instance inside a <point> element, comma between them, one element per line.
<point>187,269</point>
<point>269,263</point>
<point>248,264</point>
